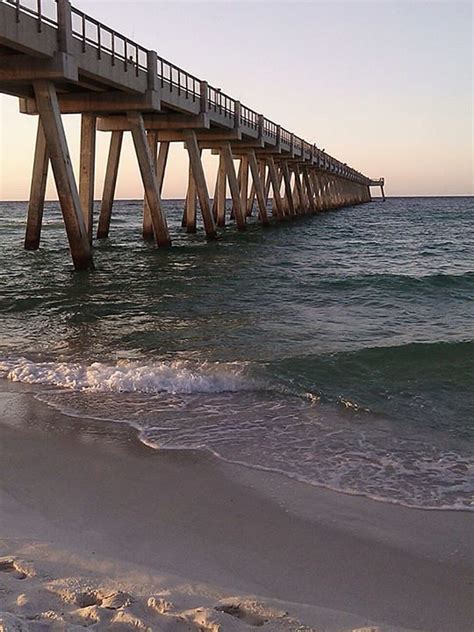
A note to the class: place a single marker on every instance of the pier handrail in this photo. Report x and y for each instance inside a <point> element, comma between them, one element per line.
<point>285,136</point>
<point>178,79</point>
<point>105,39</point>
<point>37,10</point>
<point>249,117</point>
<point>270,128</point>
<point>220,102</point>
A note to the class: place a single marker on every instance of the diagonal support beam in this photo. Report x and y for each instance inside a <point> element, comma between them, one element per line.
<point>288,192</point>
<point>309,190</point>
<point>150,182</point>
<point>37,192</point>
<point>275,181</point>
<point>244,182</point>
<point>190,206</point>
<point>239,212</point>
<point>161,162</point>
<point>200,180</point>
<point>258,187</point>
<point>110,183</point>
<point>48,108</point>
<point>220,194</point>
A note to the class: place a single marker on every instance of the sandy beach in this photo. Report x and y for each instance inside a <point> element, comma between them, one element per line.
<point>98,530</point>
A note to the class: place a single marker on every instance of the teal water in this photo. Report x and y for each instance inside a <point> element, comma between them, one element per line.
<point>338,349</point>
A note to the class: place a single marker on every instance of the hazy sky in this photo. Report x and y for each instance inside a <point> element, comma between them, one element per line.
<point>385,86</point>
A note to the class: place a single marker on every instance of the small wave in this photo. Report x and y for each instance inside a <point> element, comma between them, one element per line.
<point>131,377</point>
<point>404,282</point>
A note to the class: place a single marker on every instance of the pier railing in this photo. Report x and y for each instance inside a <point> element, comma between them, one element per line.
<point>44,10</point>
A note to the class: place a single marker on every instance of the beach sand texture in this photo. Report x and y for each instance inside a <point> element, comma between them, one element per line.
<point>100,531</point>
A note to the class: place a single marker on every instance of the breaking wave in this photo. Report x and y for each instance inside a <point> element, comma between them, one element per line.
<point>131,377</point>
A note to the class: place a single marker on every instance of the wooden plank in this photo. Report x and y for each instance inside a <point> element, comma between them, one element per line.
<point>37,192</point>
<point>258,188</point>
<point>239,212</point>
<point>200,180</point>
<point>110,183</point>
<point>48,107</point>
<point>150,182</point>
<point>87,170</point>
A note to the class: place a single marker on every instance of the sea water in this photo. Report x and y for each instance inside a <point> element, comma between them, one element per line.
<point>337,348</point>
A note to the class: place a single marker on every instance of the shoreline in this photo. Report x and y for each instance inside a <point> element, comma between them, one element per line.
<point>336,561</point>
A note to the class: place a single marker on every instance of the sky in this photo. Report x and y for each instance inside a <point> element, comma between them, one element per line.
<point>385,86</point>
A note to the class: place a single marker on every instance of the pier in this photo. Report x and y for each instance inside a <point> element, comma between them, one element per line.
<point>57,60</point>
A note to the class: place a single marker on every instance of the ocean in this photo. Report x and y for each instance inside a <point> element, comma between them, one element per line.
<point>337,349</point>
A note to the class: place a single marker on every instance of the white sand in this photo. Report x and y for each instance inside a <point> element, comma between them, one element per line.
<point>98,531</point>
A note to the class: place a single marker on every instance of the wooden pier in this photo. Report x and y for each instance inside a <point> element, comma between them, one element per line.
<point>58,60</point>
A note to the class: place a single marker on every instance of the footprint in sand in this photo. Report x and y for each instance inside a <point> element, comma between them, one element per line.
<point>237,611</point>
<point>110,601</point>
<point>10,566</point>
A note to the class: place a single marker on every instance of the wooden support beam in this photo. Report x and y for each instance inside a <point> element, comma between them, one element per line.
<point>251,200</point>
<point>201,185</point>
<point>37,192</point>
<point>110,183</point>
<point>163,122</point>
<point>302,203</point>
<point>309,190</point>
<point>282,197</point>
<point>258,187</point>
<point>239,212</point>
<point>276,188</point>
<point>161,163</point>
<point>190,205</point>
<point>267,180</point>
<point>317,187</point>
<point>150,182</point>
<point>87,171</point>
<point>47,102</point>
<point>220,198</point>
<point>244,182</point>
<point>147,228</point>
<point>288,193</point>
<point>239,183</point>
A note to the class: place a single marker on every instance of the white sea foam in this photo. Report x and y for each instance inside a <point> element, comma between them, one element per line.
<point>129,377</point>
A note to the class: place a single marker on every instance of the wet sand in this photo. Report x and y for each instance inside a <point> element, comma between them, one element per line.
<point>86,507</point>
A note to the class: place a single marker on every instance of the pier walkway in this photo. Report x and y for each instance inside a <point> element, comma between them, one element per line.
<point>58,60</point>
